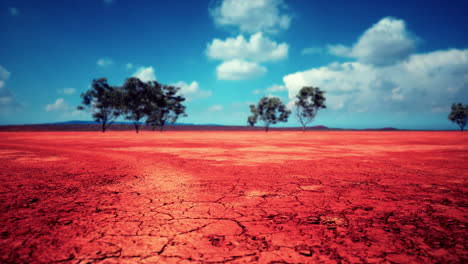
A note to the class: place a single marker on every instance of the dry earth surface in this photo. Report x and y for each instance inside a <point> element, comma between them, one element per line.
<point>237,197</point>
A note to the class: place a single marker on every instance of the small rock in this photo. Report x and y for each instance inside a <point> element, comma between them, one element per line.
<point>304,250</point>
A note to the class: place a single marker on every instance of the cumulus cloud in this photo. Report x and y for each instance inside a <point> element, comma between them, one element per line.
<point>339,50</point>
<point>215,108</point>
<point>272,89</point>
<point>58,105</point>
<point>66,110</point>
<point>423,82</point>
<point>105,62</point>
<point>239,70</point>
<point>145,74</point>
<point>14,11</point>
<point>385,43</point>
<point>191,91</point>
<point>258,48</point>
<point>66,91</point>
<point>276,88</point>
<point>241,56</point>
<point>7,100</point>
<point>4,74</point>
<point>251,16</point>
<point>129,65</point>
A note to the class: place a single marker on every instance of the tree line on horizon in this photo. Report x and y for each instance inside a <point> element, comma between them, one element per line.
<point>158,104</point>
<point>135,100</point>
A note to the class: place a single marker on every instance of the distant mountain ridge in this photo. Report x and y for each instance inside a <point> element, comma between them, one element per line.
<point>83,122</point>
<point>82,125</point>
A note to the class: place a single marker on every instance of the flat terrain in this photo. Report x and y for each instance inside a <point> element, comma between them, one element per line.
<point>237,197</point>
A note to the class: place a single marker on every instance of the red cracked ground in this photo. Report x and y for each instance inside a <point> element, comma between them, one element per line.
<point>238,197</point>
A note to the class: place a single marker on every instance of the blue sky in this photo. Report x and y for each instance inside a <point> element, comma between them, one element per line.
<point>382,63</point>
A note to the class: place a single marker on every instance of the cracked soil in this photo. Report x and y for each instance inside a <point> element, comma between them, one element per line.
<point>237,197</point>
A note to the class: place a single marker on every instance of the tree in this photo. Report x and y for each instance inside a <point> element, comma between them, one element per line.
<point>163,105</point>
<point>270,110</point>
<point>103,101</point>
<point>309,101</point>
<point>459,115</point>
<point>134,101</point>
<point>253,118</point>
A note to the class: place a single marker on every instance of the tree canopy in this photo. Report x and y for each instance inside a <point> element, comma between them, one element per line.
<point>134,100</point>
<point>308,101</point>
<point>270,110</point>
<point>103,101</point>
<point>459,115</point>
<point>163,105</point>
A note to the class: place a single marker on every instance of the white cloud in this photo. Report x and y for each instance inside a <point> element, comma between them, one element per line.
<point>215,108</point>
<point>239,70</point>
<point>385,43</point>
<point>14,11</point>
<point>66,110</point>
<point>290,105</point>
<point>240,56</point>
<point>4,74</point>
<point>129,65</point>
<point>145,74</point>
<point>257,91</point>
<point>66,91</point>
<point>396,94</point>
<point>339,50</point>
<point>7,101</point>
<point>192,91</point>
<point>58,105</point>
<point>251,16</point>
<point>258,48</point>
<point>244,105</point>
<point>421,82</point>
<point>272,89</point>
<point>311,50</point>
<point>276,88</point>
<point>105,62</point>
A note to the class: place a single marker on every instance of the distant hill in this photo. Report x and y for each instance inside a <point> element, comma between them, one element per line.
<point>382,129</point>
<point>80,125</point>
<point>77,125</point>
<point>80,122</point>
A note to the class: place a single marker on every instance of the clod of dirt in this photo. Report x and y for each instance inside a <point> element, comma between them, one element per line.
<point>310,187</point>
<point>304,250</point>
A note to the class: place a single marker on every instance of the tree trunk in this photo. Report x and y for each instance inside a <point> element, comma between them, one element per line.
<point>266,129</point>
<point>161,129</point>
<point>303,128</point>
<point>137,127</point>
<point>103,127</point>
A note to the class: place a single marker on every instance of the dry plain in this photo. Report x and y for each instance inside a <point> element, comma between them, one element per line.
<point>233,197</point>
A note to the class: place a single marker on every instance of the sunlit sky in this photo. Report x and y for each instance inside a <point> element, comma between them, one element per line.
<point>382,63</point>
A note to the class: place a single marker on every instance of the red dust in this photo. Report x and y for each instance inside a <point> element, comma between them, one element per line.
<point>238,197</point>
